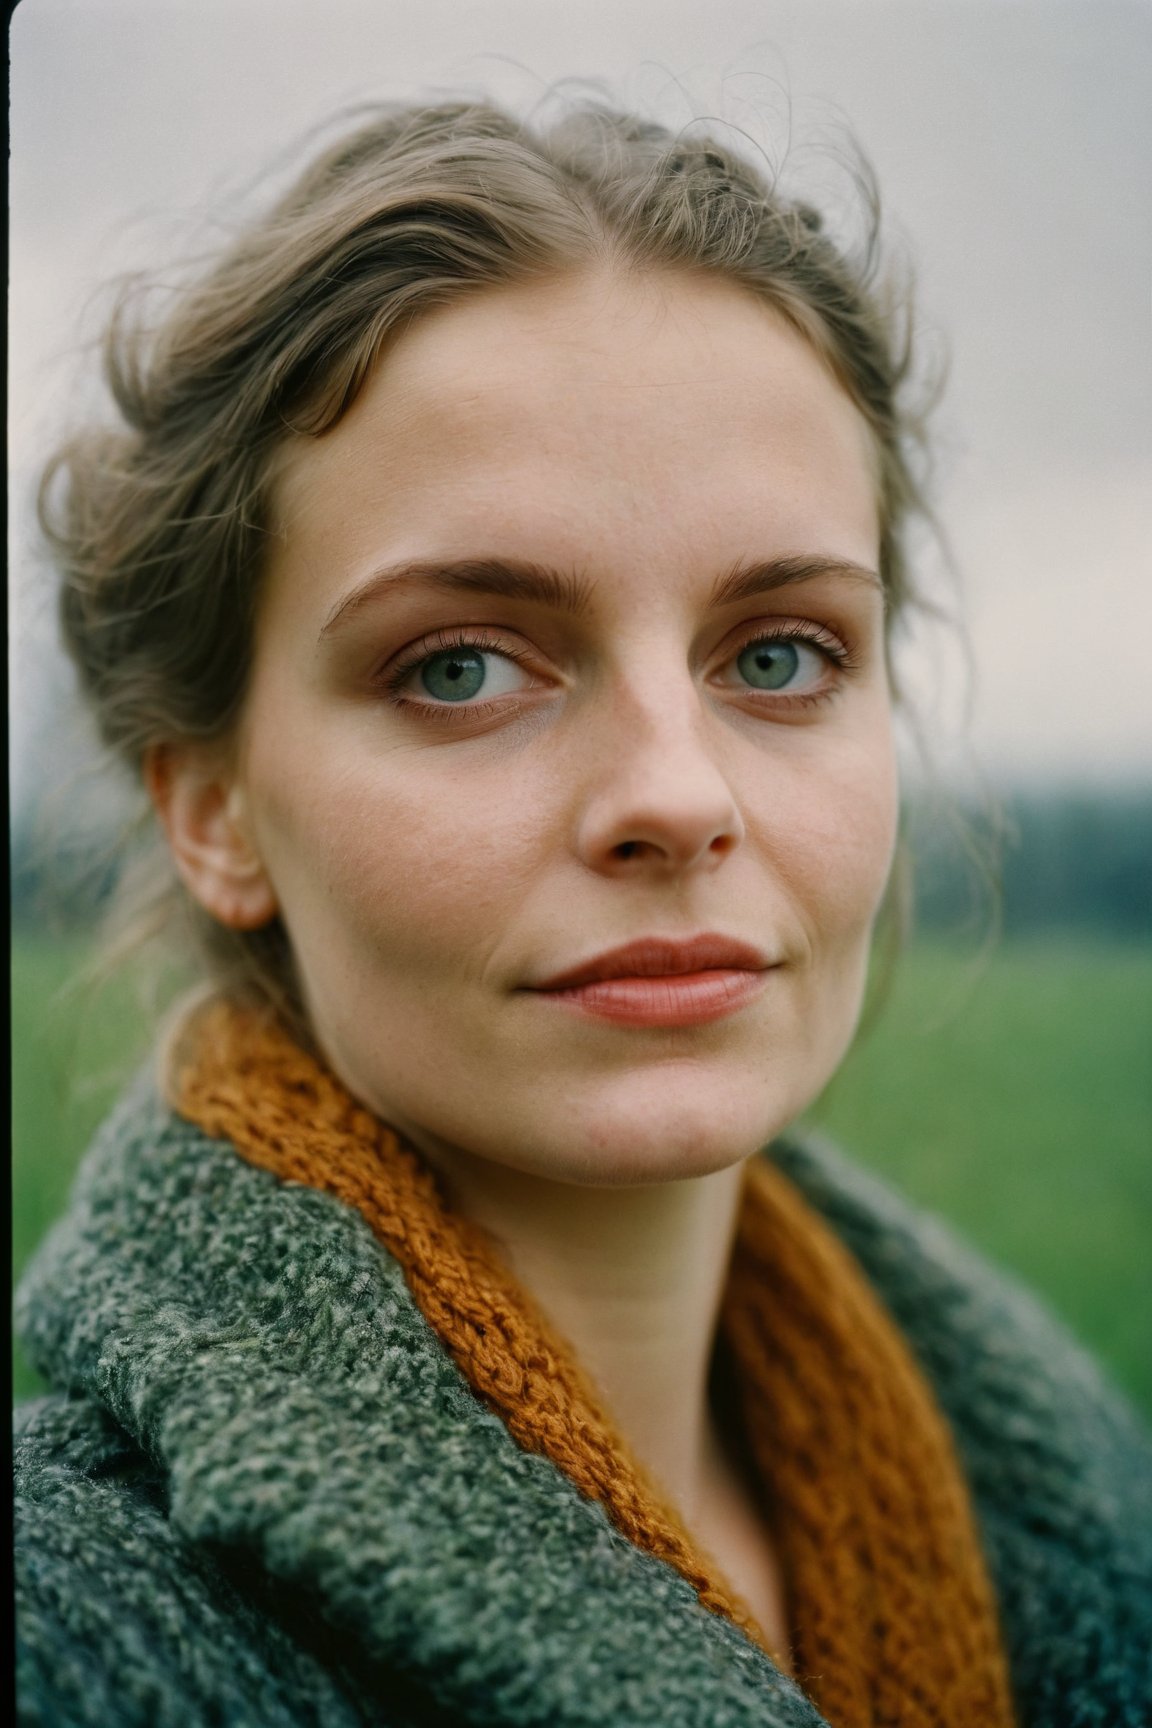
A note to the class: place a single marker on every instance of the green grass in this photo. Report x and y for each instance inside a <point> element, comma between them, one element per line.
<point>1016,1100</point>
<point>72,1050</point>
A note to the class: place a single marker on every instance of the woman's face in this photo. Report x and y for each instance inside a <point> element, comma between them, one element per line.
<point>572,639</point>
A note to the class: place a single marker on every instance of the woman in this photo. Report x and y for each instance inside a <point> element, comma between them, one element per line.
<point>492,582</point>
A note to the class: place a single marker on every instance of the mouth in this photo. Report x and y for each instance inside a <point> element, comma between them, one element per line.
<point>660,981</point>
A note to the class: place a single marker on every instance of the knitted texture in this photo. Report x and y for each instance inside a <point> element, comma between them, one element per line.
<point>1059,1466</point>
<point>894,1617</point>
<point>264,1492</point>
<point>249,1083</point>
<point>120,1622</point>
<point>291,1433</point>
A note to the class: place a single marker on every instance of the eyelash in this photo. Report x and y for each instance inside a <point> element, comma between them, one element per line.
<point>831,647</point>
<point>393,678</point>
<point>442,641</point>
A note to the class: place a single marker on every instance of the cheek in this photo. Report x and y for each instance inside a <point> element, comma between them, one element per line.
<point>837,851</point>
<point>389,855</point>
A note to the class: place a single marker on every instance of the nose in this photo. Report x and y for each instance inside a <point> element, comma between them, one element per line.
<point>659,800</point>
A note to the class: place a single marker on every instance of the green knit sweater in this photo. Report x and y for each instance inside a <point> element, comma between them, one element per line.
<point>263,1494</point>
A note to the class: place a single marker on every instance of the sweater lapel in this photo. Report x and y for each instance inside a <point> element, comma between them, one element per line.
<point>890,1602</point>
<point>264,1350</point>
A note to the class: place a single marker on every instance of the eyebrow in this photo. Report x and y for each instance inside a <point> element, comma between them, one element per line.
<point>519,579</point>
<point>746,581</point>
<point>515,578</point>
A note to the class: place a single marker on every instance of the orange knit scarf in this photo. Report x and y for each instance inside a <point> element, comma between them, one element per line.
<point>893,1617</point>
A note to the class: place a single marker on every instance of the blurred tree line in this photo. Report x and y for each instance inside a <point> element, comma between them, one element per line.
<point>1070,861</point>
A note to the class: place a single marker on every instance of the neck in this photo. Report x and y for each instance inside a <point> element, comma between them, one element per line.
<point>632,1278</point>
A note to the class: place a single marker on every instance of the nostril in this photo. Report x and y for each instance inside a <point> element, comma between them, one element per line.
<point>625,849</point>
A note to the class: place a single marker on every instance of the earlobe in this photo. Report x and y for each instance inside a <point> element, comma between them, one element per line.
<point>201,810</point>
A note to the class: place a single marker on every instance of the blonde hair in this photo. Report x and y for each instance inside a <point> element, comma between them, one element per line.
<point>159,525</point>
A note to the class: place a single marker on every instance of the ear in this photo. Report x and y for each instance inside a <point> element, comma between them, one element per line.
<point>202,812</point>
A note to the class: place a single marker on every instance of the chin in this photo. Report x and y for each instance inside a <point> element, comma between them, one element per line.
<point>672,1133</point>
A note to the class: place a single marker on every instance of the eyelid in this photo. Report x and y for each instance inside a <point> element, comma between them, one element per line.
<point>837,658</point>
<point>810,628</point>
<point>450,714</point>
<point>394,673</point>
<point>829,642</point>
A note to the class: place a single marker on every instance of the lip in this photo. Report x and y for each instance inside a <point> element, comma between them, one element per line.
<point>662,957</point>
<point>663,981</point>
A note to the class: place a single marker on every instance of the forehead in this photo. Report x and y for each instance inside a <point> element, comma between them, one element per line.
<point>584,420</point>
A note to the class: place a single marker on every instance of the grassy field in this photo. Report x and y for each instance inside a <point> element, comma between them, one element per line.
<point>1014,1098</point>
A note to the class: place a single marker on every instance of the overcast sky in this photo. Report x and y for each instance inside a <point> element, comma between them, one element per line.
<point>1014,149</point>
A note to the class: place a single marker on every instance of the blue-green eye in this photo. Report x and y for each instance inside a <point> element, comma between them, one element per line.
<point>781,663</point>
<point>453,675</point>
<point>459,673</point>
